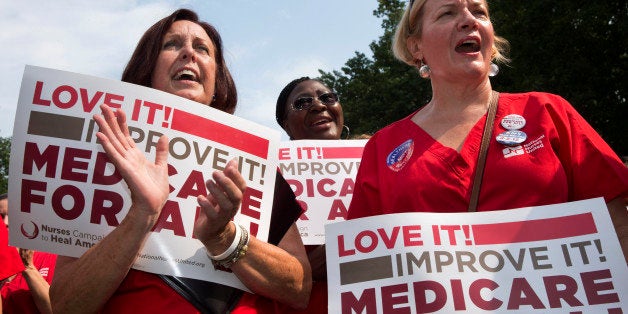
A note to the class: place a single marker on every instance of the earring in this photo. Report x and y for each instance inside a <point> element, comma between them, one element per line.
<point>345,127</point>
<point>494,70</point>
<point>424,71</point>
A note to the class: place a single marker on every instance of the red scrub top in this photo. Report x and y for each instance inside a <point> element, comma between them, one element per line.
<point>403,169</point>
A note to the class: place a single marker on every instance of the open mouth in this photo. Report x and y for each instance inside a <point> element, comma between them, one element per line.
<point>185,75</point>
<point>468,46</point>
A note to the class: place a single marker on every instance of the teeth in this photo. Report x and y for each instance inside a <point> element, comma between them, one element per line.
<point>183,73</point>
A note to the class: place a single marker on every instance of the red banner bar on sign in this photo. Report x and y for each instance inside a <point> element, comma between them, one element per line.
<point>220,133</point>
<point>342,152</point>
<point>534,230</point>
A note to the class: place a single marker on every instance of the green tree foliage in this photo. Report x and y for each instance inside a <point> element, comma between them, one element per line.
<point>5,155</point>
<point>573,48</point>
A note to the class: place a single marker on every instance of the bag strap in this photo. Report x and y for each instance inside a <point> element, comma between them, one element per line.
<point>486,138</point>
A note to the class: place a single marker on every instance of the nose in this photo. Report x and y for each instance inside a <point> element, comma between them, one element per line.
<point>467,20</point>
<point>317,105</point>
<point>187,51</point>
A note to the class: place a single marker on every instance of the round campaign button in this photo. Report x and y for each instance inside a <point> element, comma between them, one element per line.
<point>513,122</point>
<point>511,137</point>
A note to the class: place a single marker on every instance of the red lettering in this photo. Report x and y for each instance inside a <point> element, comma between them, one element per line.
<point>411,235</point>
<point>457,294</point>
<point>100,208</point>
<point>284,153</point>
<point>390,301</point>
<point>47,158</point>
<point>78,203</point>
<point>152,109</point>
<point>37,96</point>
<point>56,96</point>
<point>251,202</point>
<point>373,241</point>
<point>554,295</point>
<point>296,186</point>
<point>451,232</point>
<point>66,96</point>
<point>475,293</point>
<point>341,247</point>
<point>89,104</point>
<point>304,207</point>
<point>338,210</point>
<point>347,187</point>
<point>175,223</point>
<point>110,101</point>
<point>100,167</point>
<point>389,241</point>
<point>365,304</point>
<point>194,185</point>
<point>321,187</point>
<point>28,197</point>
<point>592,289</point>
<point>420,296</point>
<point>522,293</point>
<point>70,163</point>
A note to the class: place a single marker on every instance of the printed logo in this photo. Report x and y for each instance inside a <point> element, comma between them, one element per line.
<point>32,235</point>
<point>513,151</point>
<point>525,148</point>
<point>398,158</point>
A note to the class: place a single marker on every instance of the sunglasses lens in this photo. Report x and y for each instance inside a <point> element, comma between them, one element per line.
<point>302,103</point>
<point>329,98</point>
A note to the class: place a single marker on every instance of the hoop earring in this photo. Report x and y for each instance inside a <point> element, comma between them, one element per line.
<point>493,70</point>
<point>424,71</point>
<point>345,127</point>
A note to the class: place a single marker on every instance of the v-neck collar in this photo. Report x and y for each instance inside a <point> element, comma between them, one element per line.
<point>459,162</point>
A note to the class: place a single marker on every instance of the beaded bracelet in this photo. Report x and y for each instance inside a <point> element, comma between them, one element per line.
<point>239,252</point>
<point>232,248</point>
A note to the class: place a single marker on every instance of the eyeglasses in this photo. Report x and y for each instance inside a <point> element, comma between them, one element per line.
<point>304,103</point>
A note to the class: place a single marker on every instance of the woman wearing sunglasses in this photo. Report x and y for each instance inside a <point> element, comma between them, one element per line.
<point>309,110</point>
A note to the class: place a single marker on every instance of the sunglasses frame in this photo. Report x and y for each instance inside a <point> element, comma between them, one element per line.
<point>310,101</point>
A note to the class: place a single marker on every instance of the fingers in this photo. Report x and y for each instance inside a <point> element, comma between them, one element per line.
<point>114,140</point>
<point>161,157</point>
<point>228,186</point>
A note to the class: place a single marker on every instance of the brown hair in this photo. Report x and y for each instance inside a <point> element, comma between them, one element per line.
<point>140,68</point>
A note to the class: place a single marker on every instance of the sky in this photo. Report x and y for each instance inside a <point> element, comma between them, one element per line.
<point>267,43</point>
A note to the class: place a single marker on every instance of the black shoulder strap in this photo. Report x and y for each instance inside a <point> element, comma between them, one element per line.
<point>207,297</point>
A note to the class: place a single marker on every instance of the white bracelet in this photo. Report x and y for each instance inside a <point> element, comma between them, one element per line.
<point>231,248</point>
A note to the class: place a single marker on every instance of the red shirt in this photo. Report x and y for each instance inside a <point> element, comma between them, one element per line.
<point>11,261</point>
<point>563,159</point>
<point>16,295</point>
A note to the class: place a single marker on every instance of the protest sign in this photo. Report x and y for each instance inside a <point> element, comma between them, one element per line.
<point>562,258</point>
<point>322,176</point>
<point>65,195</point>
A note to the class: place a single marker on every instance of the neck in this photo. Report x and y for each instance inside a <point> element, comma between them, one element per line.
<point>455,97</point>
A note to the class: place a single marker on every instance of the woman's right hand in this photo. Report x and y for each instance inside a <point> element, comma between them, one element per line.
<point>147,181</point>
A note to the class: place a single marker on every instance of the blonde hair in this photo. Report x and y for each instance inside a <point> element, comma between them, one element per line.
<point>410,26</point>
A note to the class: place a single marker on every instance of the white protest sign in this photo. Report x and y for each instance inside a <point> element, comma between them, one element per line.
<point>322,175</point>
<point>562,258</point>
<point>65,195</point>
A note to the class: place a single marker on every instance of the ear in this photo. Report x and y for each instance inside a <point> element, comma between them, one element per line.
<point>414,47</point>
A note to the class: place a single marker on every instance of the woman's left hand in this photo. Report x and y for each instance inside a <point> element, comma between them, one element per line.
<point>212,226</point>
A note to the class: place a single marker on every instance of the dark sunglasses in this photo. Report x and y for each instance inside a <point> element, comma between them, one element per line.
<point>304,103</point>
